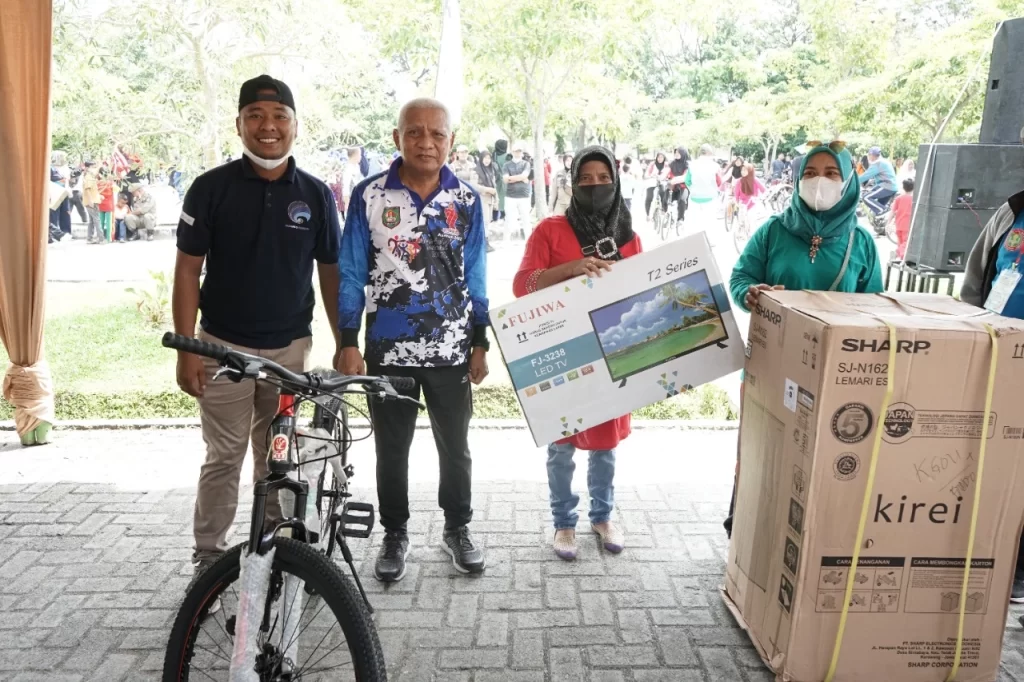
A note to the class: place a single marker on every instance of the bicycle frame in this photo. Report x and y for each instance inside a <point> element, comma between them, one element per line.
<point>279,460</point>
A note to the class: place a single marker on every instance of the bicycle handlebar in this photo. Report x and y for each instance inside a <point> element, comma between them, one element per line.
<point>240,361</point>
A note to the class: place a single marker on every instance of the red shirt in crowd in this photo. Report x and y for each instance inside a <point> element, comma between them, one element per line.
<point>107,196</point>
<point>554,243</point>
<point>902,210</point>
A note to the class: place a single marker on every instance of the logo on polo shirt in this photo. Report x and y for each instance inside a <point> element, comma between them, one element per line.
<point>391,217</point>
<point>1014,239</point>
<point>299,213</point>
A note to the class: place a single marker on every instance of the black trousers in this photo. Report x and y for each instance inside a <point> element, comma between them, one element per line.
<point>76,203</point>
<point>449,397</point>
<point>682,197</point>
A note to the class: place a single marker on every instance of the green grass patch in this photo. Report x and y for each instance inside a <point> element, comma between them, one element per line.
<point>108,363</point>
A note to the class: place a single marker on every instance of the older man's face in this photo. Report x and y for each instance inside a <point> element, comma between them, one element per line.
<point>425,140</point>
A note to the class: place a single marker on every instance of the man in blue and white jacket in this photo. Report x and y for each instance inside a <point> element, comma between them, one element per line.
<point>413,254</point>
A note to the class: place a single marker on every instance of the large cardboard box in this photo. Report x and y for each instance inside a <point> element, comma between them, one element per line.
<point>592,349</point>
<point>814,384</point>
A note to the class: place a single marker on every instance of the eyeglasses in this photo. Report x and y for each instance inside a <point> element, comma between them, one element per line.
<point>835,145</point>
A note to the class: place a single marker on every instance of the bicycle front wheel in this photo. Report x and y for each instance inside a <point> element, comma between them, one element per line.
<point>336,636</point>
<point>740,236</point>
<point>890,231</point>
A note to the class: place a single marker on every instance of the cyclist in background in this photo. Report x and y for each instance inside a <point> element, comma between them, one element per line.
<point>678,169</point>
<point>658,170</point>
<point>881,171</point>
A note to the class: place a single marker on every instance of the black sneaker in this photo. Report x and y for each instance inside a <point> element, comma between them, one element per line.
<point>466,557</point>
<point>390,566</point>
<point>1017,593</point>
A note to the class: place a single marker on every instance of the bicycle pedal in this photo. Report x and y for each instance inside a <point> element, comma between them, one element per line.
<point>356,519</point>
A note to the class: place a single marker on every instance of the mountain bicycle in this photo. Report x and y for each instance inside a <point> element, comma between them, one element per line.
<point>244,616</point>
<point>779,197</point>
<point>662,218</point>
<point>666,216</point>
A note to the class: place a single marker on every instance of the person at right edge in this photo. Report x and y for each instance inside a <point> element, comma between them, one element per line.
<point>595,232</point>
<point>414,237</point>
<point>815,244</point>
<point>993,281</point>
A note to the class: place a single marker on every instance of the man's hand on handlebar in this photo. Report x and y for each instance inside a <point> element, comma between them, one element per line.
<point>351,362</point>
<point>191,374</point>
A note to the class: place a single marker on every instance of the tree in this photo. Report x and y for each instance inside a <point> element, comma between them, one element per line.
<point>536,54</point>
<point>169,92</point>
<point>684,296</point>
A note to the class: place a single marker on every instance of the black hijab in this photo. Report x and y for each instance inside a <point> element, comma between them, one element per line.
<point>659,164</point>
<point>679,166</point>
<point>589,227</point>
<point>485,173</point>
<point>737,171</point>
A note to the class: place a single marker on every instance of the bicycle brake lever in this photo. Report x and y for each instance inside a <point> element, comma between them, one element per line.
<point>226,370</point>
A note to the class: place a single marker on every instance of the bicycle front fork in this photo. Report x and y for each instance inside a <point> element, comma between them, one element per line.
<point>261,542</point>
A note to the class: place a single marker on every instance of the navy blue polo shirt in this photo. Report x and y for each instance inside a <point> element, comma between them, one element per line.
<point>260,239</point>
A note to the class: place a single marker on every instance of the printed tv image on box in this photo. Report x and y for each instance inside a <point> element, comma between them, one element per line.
<point>658,324</point>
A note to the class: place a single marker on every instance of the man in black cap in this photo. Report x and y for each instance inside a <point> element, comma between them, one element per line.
<point>259,223</point>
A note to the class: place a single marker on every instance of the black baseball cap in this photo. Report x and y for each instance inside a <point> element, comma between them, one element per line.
<point>250,92</point>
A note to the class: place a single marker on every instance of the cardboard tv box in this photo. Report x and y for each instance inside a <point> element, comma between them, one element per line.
<point>815,380</point>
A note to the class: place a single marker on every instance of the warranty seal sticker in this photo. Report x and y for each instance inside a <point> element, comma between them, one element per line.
<point>852,423</point>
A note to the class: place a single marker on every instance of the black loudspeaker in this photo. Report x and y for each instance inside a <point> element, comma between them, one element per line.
<point>1004,99</point>
<point>964,186</point>
<point>943,237</point>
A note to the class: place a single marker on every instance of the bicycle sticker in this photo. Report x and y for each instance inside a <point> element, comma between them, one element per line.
<point>279,448</point>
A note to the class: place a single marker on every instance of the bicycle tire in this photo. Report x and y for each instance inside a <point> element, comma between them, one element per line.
<point>890,231</point>
<point>656,221</point>
<point>328,481</point>
<point>740,237</point>
<point>298,559</point>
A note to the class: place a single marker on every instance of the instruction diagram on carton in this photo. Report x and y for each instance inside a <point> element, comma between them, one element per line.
<point>913,585</point>
<point>934,585</point>
<point>877,584</point>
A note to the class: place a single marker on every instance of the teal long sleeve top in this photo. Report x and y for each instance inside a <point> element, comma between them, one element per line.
<point>775,256</point>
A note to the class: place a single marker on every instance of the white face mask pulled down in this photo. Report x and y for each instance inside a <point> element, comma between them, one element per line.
<point>821,194</point>
<point>266,164</point>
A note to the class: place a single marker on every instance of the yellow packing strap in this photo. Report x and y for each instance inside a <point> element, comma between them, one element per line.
<point>977,500</point>
<point>872,465</point>
<point>886,400</point>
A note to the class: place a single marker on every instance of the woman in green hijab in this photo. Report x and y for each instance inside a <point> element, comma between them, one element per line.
<point>816,243</point>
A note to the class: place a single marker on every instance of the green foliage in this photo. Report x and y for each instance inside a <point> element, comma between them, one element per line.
<point>162,78</point>
<point>652,73</point>
<point>154,302</point>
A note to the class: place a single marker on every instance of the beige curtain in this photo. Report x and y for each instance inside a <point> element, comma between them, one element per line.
<point>25,47</point>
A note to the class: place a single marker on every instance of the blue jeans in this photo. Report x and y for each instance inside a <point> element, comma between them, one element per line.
<point>600,473</point>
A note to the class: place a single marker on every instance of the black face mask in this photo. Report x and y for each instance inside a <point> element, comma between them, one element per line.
<point>594,199</point>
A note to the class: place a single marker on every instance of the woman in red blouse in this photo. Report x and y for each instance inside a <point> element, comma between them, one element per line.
<point>595,231</point>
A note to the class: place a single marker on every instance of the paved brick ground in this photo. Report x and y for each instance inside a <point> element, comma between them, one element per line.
<point>96,534</point>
